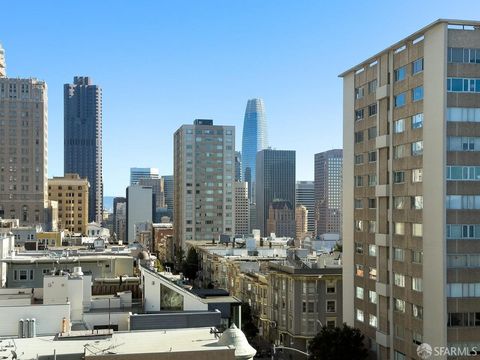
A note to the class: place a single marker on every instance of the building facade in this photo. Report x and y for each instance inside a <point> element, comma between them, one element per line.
<point>242,208</point>
<point>142,173</point>
<point>71,194</point>
<point>23,149</point>
<point>157,186</point>
<point>301,221</point>
<point>238,166</point>
<point>281,219</point>
<point>168,190</point>
<point>140,209</point>
<point>305,195</point>
<point>120,217</point>
<point>254,139</point>
<point>83,138</point>
<point>328,192</point>
<point>411,226</point>
<point>275,174</point>
<point>203,181</point>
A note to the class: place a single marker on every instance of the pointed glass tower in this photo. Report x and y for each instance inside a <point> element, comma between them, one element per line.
<point>254,139</point>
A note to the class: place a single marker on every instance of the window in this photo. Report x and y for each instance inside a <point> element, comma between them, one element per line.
<point>417,229</point>
<point>459,290</point>
<point>399,100</point>
<point>23,274</point>
<point>399,228</point>
<point>331,306</point>
<point>398,254</point>
<point>358,114</point>
<point>399,151</point>
<point>399,331</point>
<point>400,73</point>
<point>359,248</point>
<point>358,137</point>
<point>463,85</point>
<point>359,159</point>
<point>359,292</point>
<point>372,132</point>
<point>417,121</point>
<point>372,320</point>
<point>417,284</point>
<point>372,296</point>
<point>372,180</point>
<point>399,279</point>
<point>372,109</point>
<point>463,143</point>
<point>458,114</point>
<point>417,175</point>
<point>359,225</point>
<point>372,250</point>
<point>417,66</point>
<point>372,203</point>
<point>359,270</point>
<point>417,148</point>
<point>463,55</point>
<point>372,226</point>
<point>372,156</point>
<point>417,338</point>
<point>358,180</point>
<point>372,86</point>
<point>399,305</point>
<point>372,273</point>
<point>463,231</point>
<point>399,356</point>
<point>359,315</point>
<point>398,177</point>
<point>417,93</point>
<point>417,256</point>
<point>463,172</point>
<point>358,204</point>
<point>399,126</point>
<point>417,311</point>
<point>359,92</point>
<point>417,202</point>
<point>331,287</point>
<point>399,202</point>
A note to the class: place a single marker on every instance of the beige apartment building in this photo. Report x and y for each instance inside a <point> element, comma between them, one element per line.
<point>71,193</point>
<point>242,208</point>
<point>23,149</point>
<point>411,192</point>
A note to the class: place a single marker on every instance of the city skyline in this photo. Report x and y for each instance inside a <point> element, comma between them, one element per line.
<point>225,46</point>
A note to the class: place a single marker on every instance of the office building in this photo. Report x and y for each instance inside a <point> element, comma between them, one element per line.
<point>305,195</point>
<point>157,186</point>
<point>120,218</point>
<point>23,149</point>
<point>140,209</point>
<point>254,139</point>
<point>301,222</point>
<point>242,208</point>
<point>275,180</point>
<point>411,230</point>
<point>142,173</point>
<point>83,139</point>
<point>281,219</point>
<point>71,194</point>
<point>328,192</point>
<point>203,181</point>
<point>238,166</point>
<point>168,190</point>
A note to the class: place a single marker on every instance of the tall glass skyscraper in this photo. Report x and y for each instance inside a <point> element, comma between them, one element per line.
<point>254,139</point>
<point>83,138</point>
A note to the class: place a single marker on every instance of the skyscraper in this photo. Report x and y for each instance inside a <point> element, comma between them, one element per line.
<point>241,213</point>
<point>3,66</point>
<point>140,209</point>
<point>254,139</point>
<point>23,149</point>
<point>328,192</point>
<point>238,166</point>
<point>83,138</point>
<point>168,190</point>
<point>305,195</point>
<point>143,173</point>
<point>275,181</point>
<point>411,230</point>
<point>203,181</point>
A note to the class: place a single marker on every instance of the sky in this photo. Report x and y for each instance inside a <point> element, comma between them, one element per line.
<point>162,64</point>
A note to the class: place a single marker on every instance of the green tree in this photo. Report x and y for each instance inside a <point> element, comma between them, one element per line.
<point>338,247</point>
<point>190,265</point>
<point>338,343</point>
<point>248,326</point>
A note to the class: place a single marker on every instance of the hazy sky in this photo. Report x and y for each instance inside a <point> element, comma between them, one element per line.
<point>162,64</point>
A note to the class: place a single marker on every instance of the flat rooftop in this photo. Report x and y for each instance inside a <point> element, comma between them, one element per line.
<point>120,343</point>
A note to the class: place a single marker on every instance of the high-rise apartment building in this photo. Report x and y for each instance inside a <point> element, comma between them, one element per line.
<point>23,149</point>
<point>305,195</point>
<point>254,139</point>
<point>275,181</point>
<point>203,181</point>
<point>411,230</point>
<point>71,194</point>
<point>328,192</point>
<point>242,208</point>
<point>140,209</point>
<point>238,166</point>
<point>83,138</point>
<point>143,173</point>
